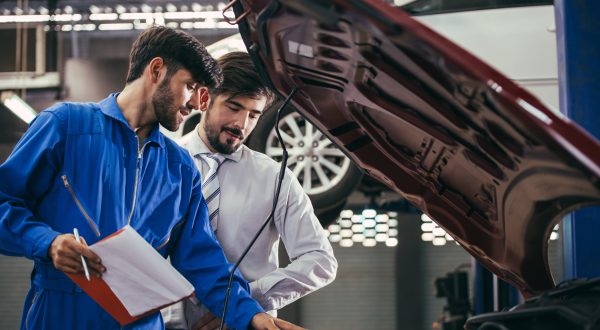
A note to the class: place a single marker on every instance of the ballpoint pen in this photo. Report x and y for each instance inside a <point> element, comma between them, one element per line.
<point>85,268</point>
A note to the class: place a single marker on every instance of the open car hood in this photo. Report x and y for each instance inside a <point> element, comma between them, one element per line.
<point>482,157</point>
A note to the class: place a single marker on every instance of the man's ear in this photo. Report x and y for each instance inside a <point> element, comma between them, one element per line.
<point>155,69</point>
<point>204,98</point>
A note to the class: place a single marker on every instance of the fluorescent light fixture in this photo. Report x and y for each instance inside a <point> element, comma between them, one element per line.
<point>391,242</point>
<point>369,213</point>
<point>190,15</point>
<point>369,242</point>
<point>104,17</point>
<point>115,26</point>
<point>66,17</point>
<point>357,228</point>
<point>24,18</point>
<point>134,16</point>
<point>346,243</point>
<point>84,27</point>
<point>15,104</point>
<point>346,214</point>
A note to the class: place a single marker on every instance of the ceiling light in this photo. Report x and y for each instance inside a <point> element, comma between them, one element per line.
<point>24,18</point>
<point>439,241</point>
<point>133,15</point>
<point>346,214</point>
<point>94,9</point>
<point>363,229</point>
<point>104,17</point>
<point>391,242</point>
<point>347,243</point>
<point>369,242</point>
<point>196,7</point>
<point>115,26</point>
<point>146,8</point>
<point>369,213</point>
<point>171,7</point>
<point>427,237</point>
<point>17,106</point>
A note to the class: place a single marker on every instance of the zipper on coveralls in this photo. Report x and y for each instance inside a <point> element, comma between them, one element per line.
<point>79,205</point>
<point>137,174</point>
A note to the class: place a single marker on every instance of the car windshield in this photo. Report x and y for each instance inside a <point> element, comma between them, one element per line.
<point>429,7</point>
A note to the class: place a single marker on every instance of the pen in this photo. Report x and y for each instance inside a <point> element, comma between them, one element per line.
<point>85,268</point>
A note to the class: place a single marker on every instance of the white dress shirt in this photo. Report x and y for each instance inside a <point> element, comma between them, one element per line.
<point>248,180</point>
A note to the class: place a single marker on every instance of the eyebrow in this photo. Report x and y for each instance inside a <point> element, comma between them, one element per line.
<point>237,104</point>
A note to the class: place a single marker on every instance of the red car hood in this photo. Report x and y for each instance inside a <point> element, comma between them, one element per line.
<point>482,157</point>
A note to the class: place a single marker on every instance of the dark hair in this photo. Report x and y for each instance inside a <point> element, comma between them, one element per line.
<point>178,50</point>
<point>240,78</point>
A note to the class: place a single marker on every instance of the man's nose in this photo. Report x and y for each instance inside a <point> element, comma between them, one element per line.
<point>241,120</point>
<point>193,102</point>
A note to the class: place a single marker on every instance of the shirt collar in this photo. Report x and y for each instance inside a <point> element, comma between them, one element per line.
<point>196,147</point>
<point>110,108</point>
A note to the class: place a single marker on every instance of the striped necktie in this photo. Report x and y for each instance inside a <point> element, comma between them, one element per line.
<point>210,186</point>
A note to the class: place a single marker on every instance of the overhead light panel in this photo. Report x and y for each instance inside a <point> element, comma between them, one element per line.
<point>17,106</point>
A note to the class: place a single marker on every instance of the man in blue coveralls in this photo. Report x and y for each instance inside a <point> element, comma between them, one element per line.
<point>101,166</point>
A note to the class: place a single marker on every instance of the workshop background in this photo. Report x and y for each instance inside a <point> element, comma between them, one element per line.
<point>390,254</point>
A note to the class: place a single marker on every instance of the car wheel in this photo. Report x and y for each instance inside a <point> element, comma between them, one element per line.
<point>326,174</point>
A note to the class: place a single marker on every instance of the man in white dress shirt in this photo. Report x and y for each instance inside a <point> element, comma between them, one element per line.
<point>246,187</point>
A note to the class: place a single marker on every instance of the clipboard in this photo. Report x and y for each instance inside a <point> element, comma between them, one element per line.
<point>134,270</point>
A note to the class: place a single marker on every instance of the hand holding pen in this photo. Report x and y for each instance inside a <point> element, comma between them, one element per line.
<point>83,263</point>
<point>66,254</point>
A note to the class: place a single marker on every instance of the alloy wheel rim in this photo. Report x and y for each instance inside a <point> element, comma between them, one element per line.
<point>317,163</point>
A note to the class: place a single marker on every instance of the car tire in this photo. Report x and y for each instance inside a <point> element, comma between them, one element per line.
<point>326,197</point>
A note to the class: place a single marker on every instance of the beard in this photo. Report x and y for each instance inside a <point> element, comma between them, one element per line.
<point>162,101</point>
<point>213,133</point>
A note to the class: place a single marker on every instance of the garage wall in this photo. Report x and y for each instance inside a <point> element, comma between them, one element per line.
<point>437,262</point>
<point>14,284</point>
<point>362,297</point>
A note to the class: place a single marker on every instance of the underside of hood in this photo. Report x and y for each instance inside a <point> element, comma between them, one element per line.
<point>482,157</point>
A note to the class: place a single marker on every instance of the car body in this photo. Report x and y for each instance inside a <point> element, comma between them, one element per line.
<point>483,157</point>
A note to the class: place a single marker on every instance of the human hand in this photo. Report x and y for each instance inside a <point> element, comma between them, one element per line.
<point>66,253</point>
<point>264,321</point>
<point>208,322</point>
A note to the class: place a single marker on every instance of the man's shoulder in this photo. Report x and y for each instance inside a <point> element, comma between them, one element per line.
<point>76,116</point>
<point>185,141</point>
<point>260,160</point>
<point>73,108</point>
<point>177,152</point>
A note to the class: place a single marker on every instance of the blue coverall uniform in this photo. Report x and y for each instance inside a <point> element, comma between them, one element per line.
<point>81,165</point>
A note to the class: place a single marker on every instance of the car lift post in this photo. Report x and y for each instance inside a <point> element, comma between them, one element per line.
<point>578,35</point>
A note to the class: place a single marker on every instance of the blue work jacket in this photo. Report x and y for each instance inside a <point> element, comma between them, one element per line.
<point>80,165</point>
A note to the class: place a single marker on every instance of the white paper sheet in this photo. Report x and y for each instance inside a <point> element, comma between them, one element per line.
<point>138,275</point>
